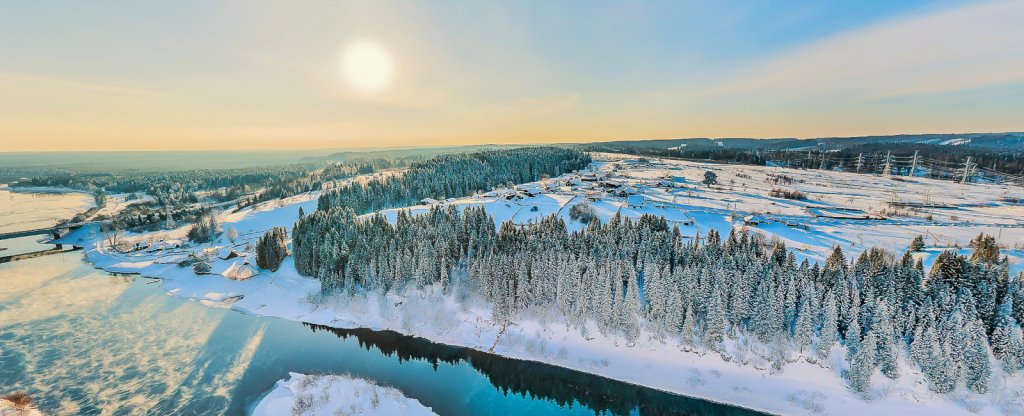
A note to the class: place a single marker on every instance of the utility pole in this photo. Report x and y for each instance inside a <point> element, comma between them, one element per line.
<point>860,162</point>
<point>170,225</point>
<point>968,167</point>
<point>888,164</point>
<point>913,165</point>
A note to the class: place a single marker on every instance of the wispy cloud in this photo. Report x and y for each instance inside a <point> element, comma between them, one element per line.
<point>968,47</point>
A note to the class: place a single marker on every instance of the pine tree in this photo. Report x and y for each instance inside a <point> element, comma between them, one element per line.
<point>829,327</point>
<point>631,308</point>
<point>885,336</point>
<point>805,322</point>
<point>978,364</point>
<point>716,321</point>
<point>1003,342</point>
<point>689,334</point>
<point>853,337</point>
<point>863,365</point>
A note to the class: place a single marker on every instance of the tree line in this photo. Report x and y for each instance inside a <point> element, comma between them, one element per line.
<point>455,175</point>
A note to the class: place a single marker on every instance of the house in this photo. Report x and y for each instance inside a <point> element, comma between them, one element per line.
<point>228,254</point>
<point>625,191</point>
<point>530,189</point>
<point>240,270</point>
<point>755,219</point>
<point>635,201</point>
<point>429,201</point>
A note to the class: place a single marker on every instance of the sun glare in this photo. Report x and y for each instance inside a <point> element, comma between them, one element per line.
<point>367,66</point>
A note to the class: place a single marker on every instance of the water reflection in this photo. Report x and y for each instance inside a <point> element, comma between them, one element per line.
<point>535,380</point>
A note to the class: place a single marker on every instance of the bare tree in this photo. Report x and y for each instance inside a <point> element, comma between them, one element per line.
<point>112,234</point>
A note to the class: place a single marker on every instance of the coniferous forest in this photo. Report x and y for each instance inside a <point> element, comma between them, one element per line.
<point>626,278</point>
<point>448,176</point>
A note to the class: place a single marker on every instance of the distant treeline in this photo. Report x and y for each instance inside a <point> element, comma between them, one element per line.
<point>456,175</point>
<point>177,188</point>
<point>993,156</point>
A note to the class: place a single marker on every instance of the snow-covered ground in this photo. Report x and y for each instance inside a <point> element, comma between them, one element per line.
<point>303,394</point>
<point>670,189</point>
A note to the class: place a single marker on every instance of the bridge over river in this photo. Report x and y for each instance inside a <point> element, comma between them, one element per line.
<point>56,232</point>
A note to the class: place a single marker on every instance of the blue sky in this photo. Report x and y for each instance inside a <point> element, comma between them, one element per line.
<point>265,74</point>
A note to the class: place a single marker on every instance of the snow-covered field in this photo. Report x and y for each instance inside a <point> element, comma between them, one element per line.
<point>670,189</point>
<point>303,394</point>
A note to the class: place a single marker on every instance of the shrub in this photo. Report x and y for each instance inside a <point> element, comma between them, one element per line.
<point>783,193</point>
<point>583,213</point>
<point>20,400</point>
<point>917,244</point>
<point>710,178</point>
<point>201,267</point>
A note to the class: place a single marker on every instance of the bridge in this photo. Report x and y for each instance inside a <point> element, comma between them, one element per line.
<point>55,231</point>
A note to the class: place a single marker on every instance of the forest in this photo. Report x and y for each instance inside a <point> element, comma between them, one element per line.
<point>178,188</point>
<point>629,277</point>
<point>456,175</point>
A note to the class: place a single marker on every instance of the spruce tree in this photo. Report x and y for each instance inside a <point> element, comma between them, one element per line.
<point>716,321</point>
<point>829,327</point>
<point>885,336</point>
<point>805,323</point>
<point>863,365</point>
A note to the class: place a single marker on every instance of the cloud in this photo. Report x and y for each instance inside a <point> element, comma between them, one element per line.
<point>969,47</point>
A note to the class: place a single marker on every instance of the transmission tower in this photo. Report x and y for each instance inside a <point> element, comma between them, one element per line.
<point>968,167</point>
<point>888,164</point>
<point>913,165</point>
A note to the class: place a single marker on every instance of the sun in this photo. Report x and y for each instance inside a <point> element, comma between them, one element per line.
<point>367,66</point>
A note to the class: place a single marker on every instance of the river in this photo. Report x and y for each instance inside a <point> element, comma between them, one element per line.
<point>82,341</point>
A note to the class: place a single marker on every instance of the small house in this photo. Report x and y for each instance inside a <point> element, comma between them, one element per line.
<point>755,219</point>
<point>239,270</point>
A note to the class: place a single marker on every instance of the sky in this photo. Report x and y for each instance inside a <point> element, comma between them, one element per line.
<point>317,74</point>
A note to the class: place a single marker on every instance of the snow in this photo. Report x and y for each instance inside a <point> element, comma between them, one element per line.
<point>955,142</point>
<point>736,376</point>
<point>304,394</point>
